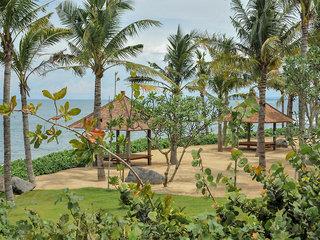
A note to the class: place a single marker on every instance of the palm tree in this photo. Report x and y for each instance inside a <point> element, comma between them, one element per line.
<point>40,35</point>
<point>306,10</point>
<point>201,83</point>
<point>99,43</point>
<point>15,16</point>
<point>226,73</point>
<point>263,27</point>
<point>175,77</point>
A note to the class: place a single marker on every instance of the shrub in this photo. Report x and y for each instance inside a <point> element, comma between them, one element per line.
<point>51,163</point>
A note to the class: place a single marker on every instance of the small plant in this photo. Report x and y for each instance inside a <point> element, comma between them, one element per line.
<point>205,180</point>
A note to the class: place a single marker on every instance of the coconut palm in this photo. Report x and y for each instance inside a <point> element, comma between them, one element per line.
<point>201,82</point>
<point>39,35</point>
<point>98,42</point>
<point>180,66</point>
<point>264,28</point>
<point>226,70</point>
<point>15,16</point>
<point>306,10</point>
<point>175,77</point>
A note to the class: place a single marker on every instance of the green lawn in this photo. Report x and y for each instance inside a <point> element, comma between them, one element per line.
<point>43,202</point>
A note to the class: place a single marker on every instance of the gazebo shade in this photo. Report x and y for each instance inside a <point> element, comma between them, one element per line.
<point>273,115</point>
<point>121,108</point>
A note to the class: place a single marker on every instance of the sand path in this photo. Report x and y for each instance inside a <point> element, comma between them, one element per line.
<point>184,183</point>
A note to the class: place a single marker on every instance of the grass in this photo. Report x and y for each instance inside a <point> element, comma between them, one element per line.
<point>43,202</point>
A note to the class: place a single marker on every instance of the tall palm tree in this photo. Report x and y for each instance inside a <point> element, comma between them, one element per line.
<point>98,41</point>
<point>175,77</point>
<point>15,16</point>
<point>201,82</point>
<point>306,12</point>
<point>263,27</point>
<point>227,68</point>
<point>39,35</point>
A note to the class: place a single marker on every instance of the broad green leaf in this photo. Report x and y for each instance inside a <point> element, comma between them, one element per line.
<point>47,94</point>
<point>60,94</point>
<point>74,111</point>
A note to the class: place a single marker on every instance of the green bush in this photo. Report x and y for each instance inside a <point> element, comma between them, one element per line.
<point>51,163</point>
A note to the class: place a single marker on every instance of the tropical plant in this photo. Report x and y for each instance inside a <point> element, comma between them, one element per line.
<point>98,42</point>
<point>175,77</point>
<point>226,73</point>
<point>40,35</point>
<point>306,10</point>
<point>265,30</point>
<point>201,83</point>
<point>168,115</point>
<point>15,17</point>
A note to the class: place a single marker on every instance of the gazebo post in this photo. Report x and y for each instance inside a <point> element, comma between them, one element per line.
<point>128,145</point>
<point>249,134</point>
<point>149,146</point>
<point>274,135</point>
<point>117,143</point>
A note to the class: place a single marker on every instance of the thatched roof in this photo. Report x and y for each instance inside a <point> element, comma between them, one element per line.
<point>273,115</point>
<point>113,110</point>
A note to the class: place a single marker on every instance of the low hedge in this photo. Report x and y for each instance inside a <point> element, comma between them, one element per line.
<point>51,163</point>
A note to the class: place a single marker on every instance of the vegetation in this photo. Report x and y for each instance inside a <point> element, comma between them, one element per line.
<point>40,35</point>
<point>169,115</point>
<point>92,199</point>
<point>288,209</point>
<point>98,42</point>
<point>51,163</point>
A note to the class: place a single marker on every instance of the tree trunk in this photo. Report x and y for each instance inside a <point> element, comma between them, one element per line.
<point>290,106</point>
<point>220,139</point>
<point>302,101</point>
<point>262,116</point>
<point>204,111</point>
<point>97,115</point>
<point>26,139</point>
<point>225,124</point>
<point>6,123</point>
<point>282,105</point>
<point>174,151</point>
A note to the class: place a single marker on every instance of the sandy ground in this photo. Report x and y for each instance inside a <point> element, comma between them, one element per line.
<point>184,183</point>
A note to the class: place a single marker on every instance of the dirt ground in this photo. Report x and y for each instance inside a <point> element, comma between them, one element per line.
<point>184,183</point>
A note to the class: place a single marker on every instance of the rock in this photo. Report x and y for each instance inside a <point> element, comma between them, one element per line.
<point>146,175</point>
<point>19,185</point>
<point>282,143</point>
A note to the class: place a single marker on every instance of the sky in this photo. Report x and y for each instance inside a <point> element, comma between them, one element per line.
<point>202,15</point>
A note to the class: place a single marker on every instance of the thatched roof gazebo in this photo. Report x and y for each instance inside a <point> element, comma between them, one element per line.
<point>272,116</point>
<point>121,108</point>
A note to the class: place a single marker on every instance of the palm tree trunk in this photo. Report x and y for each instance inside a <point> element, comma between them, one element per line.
<point>282,105</point>
<point>225,124</point>
<point>220,139</point>
<point>262,116</point>
<point>97,115</point>
<point>26,139</point>
<point>302,101</point>
<point>6,124</point>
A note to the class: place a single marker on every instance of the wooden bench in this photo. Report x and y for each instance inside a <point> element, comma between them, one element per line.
<point>133,156</point>
<point>255,144</point>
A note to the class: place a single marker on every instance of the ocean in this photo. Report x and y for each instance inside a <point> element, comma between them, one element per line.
<point>47,111</point>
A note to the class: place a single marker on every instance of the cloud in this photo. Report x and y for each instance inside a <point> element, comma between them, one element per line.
<point>210,15</point>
